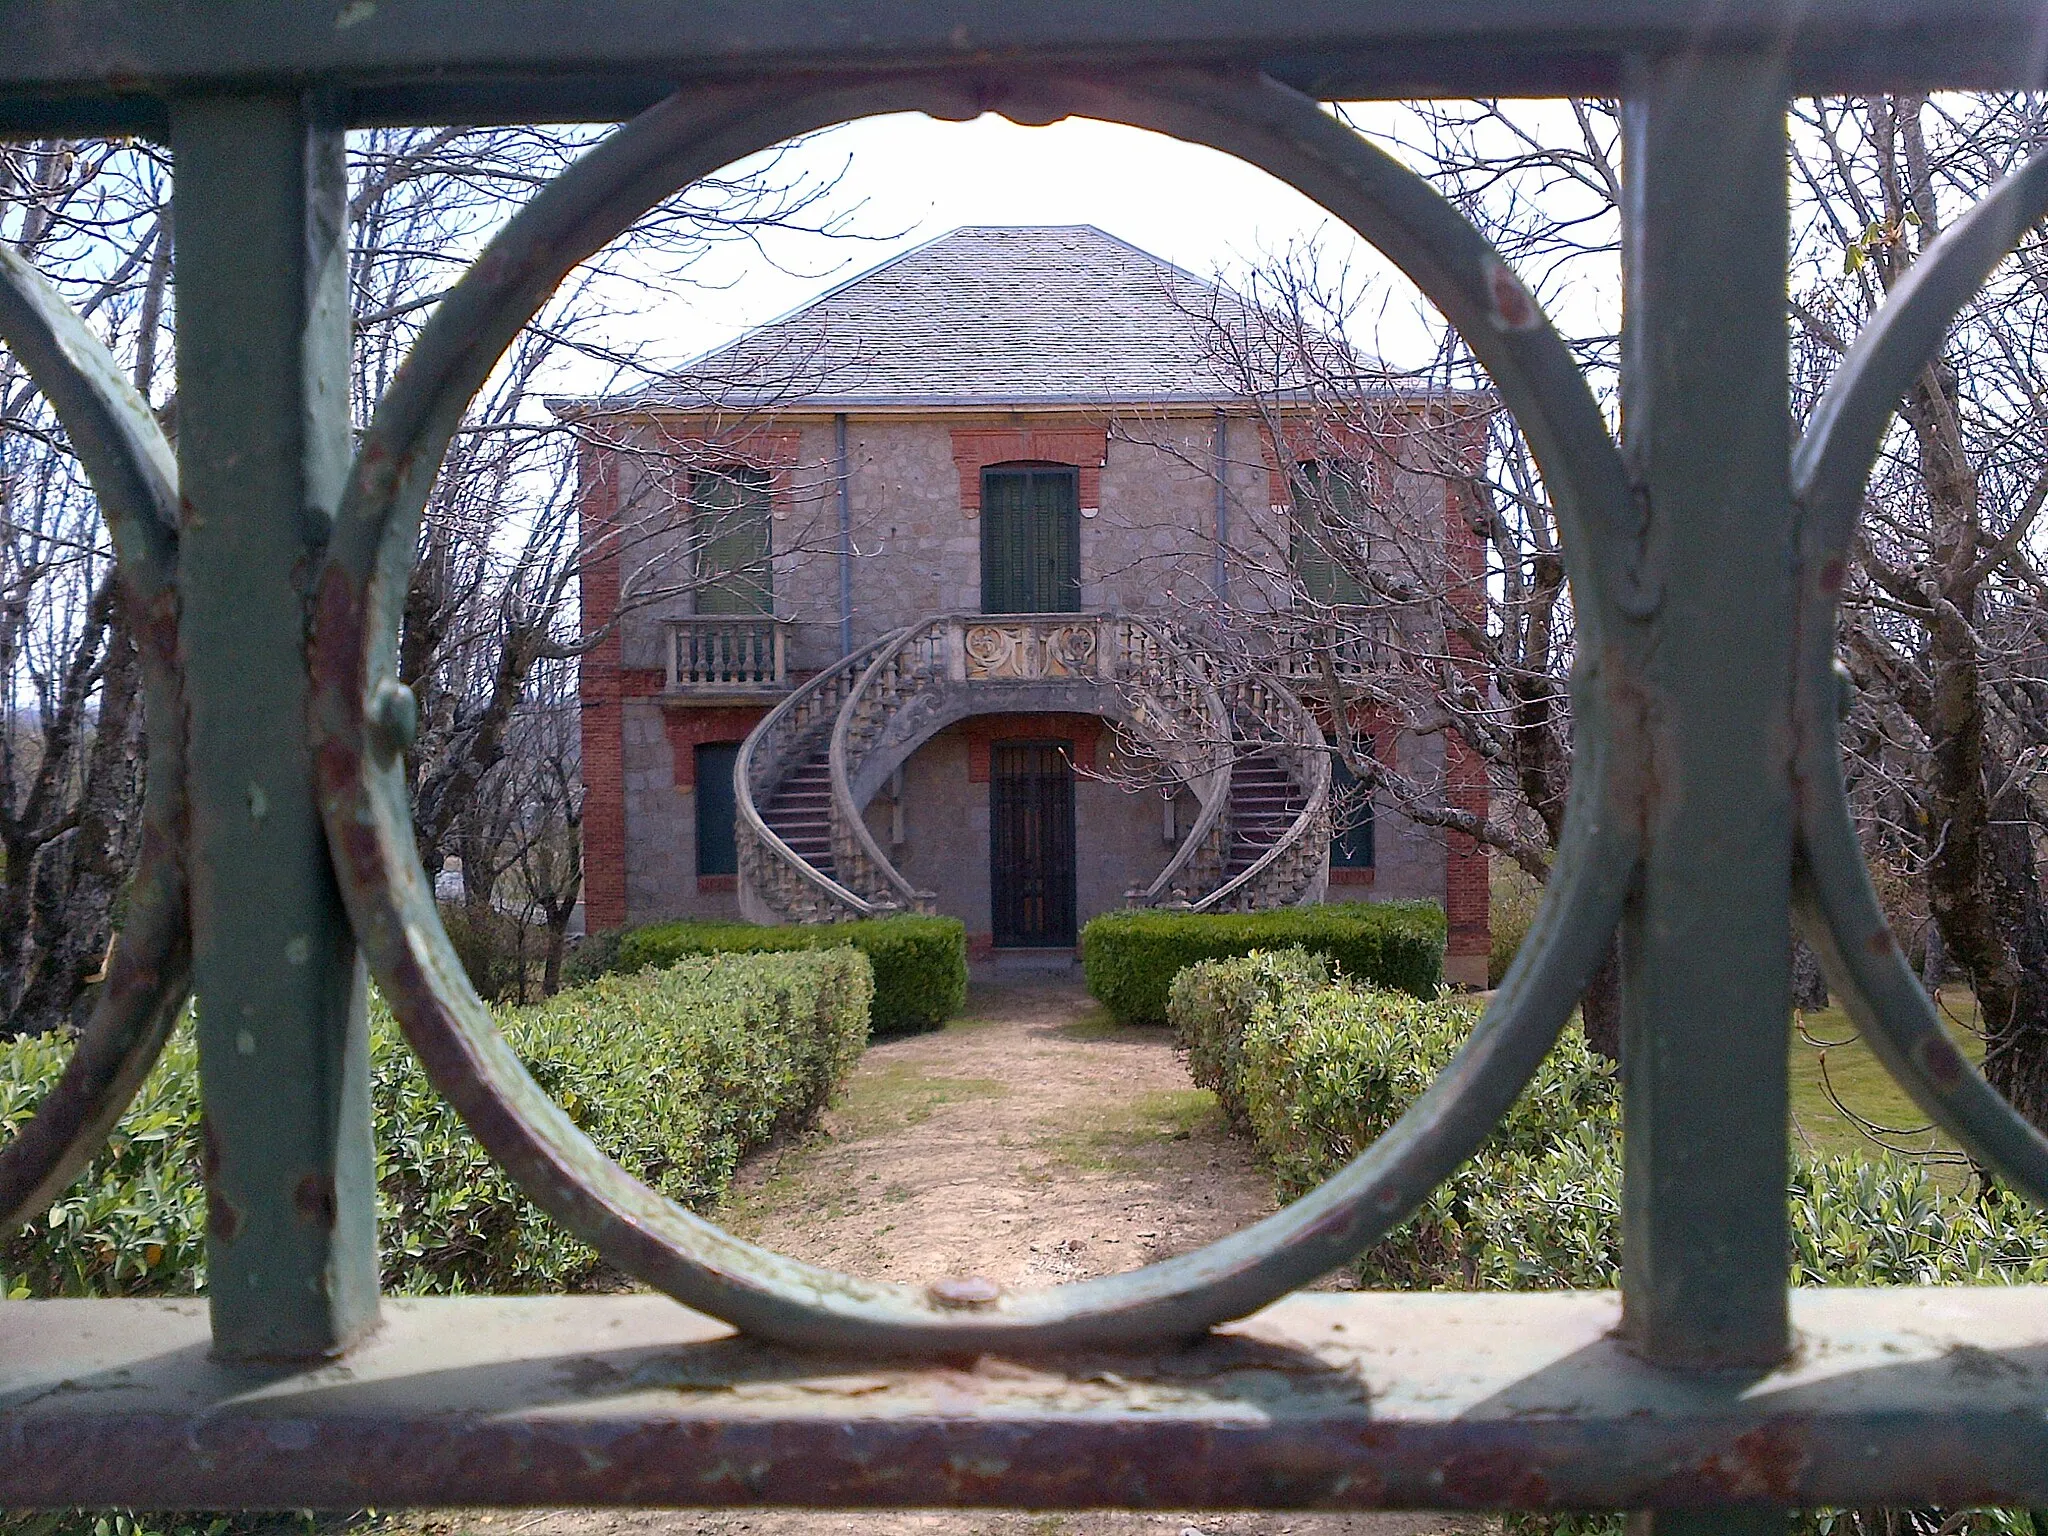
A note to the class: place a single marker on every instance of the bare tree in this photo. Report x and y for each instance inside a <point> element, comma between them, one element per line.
<point>1414,589</point>
<point>1944,626</point>
<point>1942,622</point>
<point>491,600</point>
<point>95,218</point>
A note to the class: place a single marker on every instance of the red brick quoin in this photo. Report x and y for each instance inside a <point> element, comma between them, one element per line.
<point>603,683</point>
<point>604,765</point>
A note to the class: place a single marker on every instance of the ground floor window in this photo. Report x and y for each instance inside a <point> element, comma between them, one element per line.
<point>717,845</point>
<point>1351,819</point>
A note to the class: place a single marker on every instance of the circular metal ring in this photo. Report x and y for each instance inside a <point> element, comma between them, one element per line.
<point>1838,909</point>
<point>369,821</point>
<point>135,478</point>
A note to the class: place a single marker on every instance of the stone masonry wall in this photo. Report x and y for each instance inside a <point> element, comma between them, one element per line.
<point>1147,545</point>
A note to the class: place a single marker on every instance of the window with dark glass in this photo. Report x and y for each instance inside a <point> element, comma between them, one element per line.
<point>1351,816</point>
<point>729,510</point>
<point>718,850</point>
<point>1030,539</point>
<point>1329,510</point>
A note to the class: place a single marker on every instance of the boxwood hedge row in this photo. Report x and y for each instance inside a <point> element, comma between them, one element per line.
<point>920,963</point>
<point>1314,1072</point>
<point>1131,958</point>
<point>674,1073</point>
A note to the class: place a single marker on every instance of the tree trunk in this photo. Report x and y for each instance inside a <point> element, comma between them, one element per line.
<point>67,868</point>
<point>551,967</point>
<point>1809,986</point>
<point>1600,1008</point>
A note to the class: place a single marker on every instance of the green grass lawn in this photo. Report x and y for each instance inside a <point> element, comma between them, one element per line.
<point>1826,1053</point>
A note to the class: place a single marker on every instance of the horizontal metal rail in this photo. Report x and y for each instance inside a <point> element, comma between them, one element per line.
<point>111,65</point>
<point>1321,1402</point>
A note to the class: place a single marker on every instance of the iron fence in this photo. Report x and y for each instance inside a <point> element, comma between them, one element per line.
<point>1706,815</point>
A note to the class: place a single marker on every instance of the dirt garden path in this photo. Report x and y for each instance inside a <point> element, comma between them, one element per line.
<point>1031,1141</point>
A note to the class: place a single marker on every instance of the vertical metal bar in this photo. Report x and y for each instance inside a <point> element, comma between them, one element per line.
<point>1222,455</point>
<point>845,535</point>
<point>1706,945</point>
<point>263,450</point>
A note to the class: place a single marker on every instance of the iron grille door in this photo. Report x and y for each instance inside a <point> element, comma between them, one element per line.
<point>1030,541</point>
<point>1031,844</point>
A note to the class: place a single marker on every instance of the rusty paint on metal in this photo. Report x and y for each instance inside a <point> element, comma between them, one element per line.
<point>1944,1063</point>
<point>313,1198</point>
<point>1513,308</point>
<point>223,1218</point>
<point>1761,1466</point>
<point>130,467</point>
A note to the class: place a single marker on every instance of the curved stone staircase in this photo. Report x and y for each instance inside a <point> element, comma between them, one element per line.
<point>1251,753</point>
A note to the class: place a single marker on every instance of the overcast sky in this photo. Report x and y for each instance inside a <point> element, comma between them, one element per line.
<point>911,178</point>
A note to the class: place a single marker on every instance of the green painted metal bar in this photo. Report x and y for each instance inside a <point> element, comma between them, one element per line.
<point>263,448</point>
<point>1707,938</point>
<point>110,65</point>
<point>1323,1401</point>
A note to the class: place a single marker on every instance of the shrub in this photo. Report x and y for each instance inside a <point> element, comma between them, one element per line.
<point>1513,901</point>
<point>675,1074</point>
<point>1210,1004</point>
<point>491,946</point>
<point>592,956</point>
<point>920,963</point>
<point>1131,958</point>
<point>1322,1071</point>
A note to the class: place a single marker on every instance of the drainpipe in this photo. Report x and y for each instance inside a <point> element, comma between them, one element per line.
<point>1222,578</point>
<point>845,538</point>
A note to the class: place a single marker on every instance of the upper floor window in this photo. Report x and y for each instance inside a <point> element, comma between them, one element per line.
<point>1330,511</point>
<point>729,524</point>
<point>1030,539</point>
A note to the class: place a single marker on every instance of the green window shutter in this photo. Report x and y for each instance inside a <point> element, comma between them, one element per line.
<point>1005,542</point>
<point>1328,509</point>
<point>730,512</point>
<point>1030,541</point>
<point>718,850</point>
<point>1056,529</point>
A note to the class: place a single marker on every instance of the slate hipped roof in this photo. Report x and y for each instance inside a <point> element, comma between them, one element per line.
<point>985,316</point>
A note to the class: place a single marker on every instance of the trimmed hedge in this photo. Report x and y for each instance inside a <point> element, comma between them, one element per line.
<point>1131,958</point>
<point>920,962</point>
<point>1318,1072</point>
<point>675,1074</point>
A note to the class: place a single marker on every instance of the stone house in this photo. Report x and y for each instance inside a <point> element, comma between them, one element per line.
<point>898,603</point>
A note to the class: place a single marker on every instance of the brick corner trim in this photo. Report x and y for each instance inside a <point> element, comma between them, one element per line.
<point>599,686</point>
<point>976,448</point>
<point>689,729</point>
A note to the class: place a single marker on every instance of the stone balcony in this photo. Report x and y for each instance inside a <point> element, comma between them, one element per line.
<point>728,656</point>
